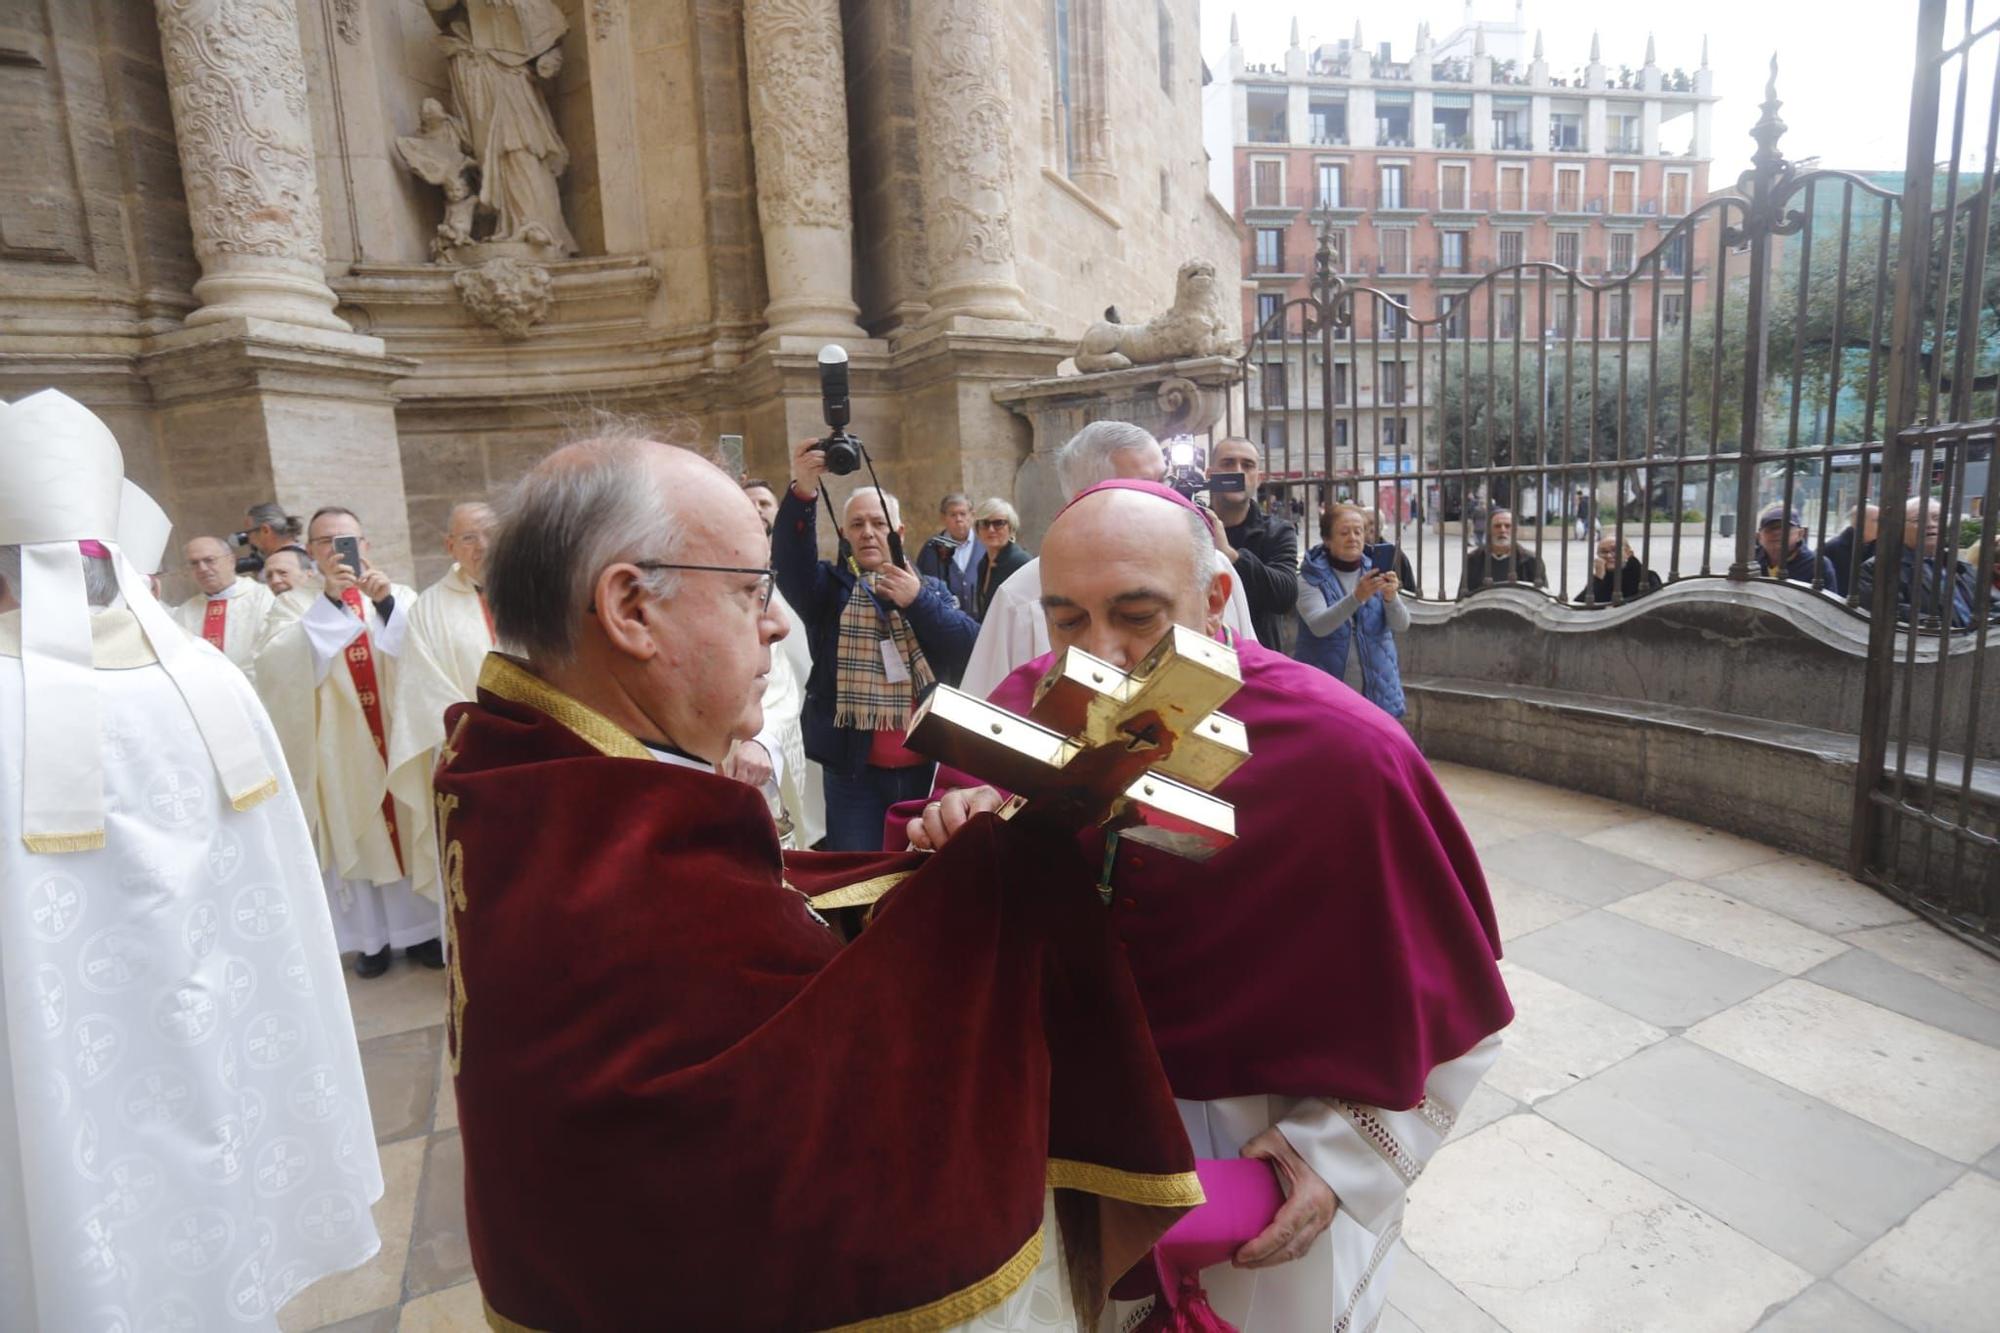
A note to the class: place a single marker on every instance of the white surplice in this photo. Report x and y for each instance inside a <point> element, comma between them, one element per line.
<point>800,791</point>
<point>1015,632</point>
<point>185,1140</point>
<point>246,612</point>
<point>437,666</point>
<point>1368,1157</point>
<point>303,677</point>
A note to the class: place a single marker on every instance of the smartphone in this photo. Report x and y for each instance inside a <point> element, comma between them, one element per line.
<point>1381,557</point>
<point>729,454</point>
<point>1225,483</point>
<point>349,551</point>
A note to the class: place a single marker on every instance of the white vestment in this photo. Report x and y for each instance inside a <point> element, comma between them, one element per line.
<point>799,780</point>
<point>438,666</point>
<point>246,610</point>
<point>304,677</point>
<point>185,1139</point>
<point>1015,632</point>
<point>1368,1157</point>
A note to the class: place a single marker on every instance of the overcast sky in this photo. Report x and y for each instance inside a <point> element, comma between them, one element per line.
<point>1843,65</point>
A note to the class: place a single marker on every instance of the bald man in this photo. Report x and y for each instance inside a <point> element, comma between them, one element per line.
<point>228,611</point>
<point>1923,579</point>
<point>450,633</point>
<point>1324,992</point>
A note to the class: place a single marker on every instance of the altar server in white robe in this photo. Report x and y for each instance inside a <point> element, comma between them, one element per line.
<point>228,610</point>
<point>1014,630</point>
<point>450,634</point>
<point>329,679</point>
<point>185,1139</point>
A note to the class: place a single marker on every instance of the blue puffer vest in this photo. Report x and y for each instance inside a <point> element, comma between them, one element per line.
<point>1381,677</point>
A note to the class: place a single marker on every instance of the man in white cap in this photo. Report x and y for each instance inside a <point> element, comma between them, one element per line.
<point>227,610</point>
<point>450,633</point>
<point>184,1133</point>
<point>329,679</point>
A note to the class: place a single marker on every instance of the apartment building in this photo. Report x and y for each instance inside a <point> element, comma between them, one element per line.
<point>1427,173</point>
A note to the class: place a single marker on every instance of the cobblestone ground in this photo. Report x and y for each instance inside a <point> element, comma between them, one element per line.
<point>1743,1092</point>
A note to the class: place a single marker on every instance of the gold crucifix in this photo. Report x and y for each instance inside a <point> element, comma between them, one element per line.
<point>1138,751</point>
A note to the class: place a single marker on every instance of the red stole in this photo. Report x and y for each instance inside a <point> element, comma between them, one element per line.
<point>686,1104</point>
<point>361,670</point>
<point>213,621</point>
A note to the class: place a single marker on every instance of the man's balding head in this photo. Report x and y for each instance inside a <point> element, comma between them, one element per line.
<point>467,535</point>
<point>1106,449</point>
<point>582,577</point>
<point>1923,524</point>
<point>212,564</point>
<point>1120,568</point>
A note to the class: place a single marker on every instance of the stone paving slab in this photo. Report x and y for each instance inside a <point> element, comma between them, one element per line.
<point>1825,1307</point>
<point>1648,973</point>
<point>1930,1086</point>
<point>1560,1037</point>
<point>1936,1272</point>
<point>1545,1232</point>
<point>1803,1179</point>
<point>1712,917</point>
<point>1558,863</point>
<point>1688,851</point>
<point>1869,976</point>
<point>1811,894</point>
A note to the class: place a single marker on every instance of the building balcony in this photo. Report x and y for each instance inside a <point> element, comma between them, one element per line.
<point>1513,143</point>
<point>1447,139</point>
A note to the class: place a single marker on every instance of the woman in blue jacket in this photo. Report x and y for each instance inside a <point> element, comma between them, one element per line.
<point>1350,613</point>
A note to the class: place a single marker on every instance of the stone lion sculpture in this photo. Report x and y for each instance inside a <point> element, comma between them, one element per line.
<point>1195,326</point>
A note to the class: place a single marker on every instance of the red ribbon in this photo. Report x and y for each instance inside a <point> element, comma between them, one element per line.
<point>213,621</point>
<point>361,670</point>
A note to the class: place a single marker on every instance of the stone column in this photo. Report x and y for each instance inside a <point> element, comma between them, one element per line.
<point>237,79</point>
<point>798,132</point>
<point>966,155</point>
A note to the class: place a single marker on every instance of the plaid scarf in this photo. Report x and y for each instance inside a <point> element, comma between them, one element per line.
<point>864,696</point>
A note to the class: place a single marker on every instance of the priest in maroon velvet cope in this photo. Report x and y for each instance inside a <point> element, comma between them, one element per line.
<point>686,1102</point>
<point>1324,992</point>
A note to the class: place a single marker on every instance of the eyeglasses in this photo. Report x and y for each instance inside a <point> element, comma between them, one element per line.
<point>764,587</point>
<point>994,523</point>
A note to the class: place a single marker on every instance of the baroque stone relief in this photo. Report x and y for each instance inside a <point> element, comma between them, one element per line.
<point>793,50</point>
<point>237,79</point>
<point>963,113</point>
<point>496,155</point>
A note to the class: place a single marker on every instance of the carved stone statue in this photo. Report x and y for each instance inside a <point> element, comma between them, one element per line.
<point>1195,326</point>
<point>497,50</point>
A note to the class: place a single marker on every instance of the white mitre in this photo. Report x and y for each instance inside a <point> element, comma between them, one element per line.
<point>62,482</point>
<point>143,529</point>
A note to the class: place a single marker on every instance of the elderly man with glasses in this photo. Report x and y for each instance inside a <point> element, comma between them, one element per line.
<point>229,611</point>
<point>668,1063</point>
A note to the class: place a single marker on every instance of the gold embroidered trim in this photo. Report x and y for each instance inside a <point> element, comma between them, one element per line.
<point>1180,1189</point>
<point>960,1305</point>
<point>512,681</point>
<point>859,894</point>
<point>1437,1115</point>
<point>49,844</point>
<point>117,643</point>
<point>1371,1128</point>
<point>1346,1320</point>
<point>256,796</point>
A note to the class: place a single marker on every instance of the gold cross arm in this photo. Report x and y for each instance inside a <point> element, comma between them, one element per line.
<point>1139,749</point>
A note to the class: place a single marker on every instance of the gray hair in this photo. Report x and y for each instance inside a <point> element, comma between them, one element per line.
<point>892,507</point>
<point>953,498</point>
<point>995,507</point>
<point>1204,550</point>
<point>585,506</point>
<point>100,580</point>
<point>273,513</point>
<point>1087,459</point>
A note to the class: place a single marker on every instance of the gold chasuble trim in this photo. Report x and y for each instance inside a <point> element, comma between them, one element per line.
<point>1179,1189</point>
<point>510,680</point>
<point>51,844</point>
<point>860,894</point>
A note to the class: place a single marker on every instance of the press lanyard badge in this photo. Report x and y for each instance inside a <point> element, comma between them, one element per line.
<point>893,664</point>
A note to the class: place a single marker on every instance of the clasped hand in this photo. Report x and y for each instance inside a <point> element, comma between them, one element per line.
<point>374,584</point>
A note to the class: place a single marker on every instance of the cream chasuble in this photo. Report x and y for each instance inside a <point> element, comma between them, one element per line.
<point>240,613</point>
<point>308,682</point>
<point>448,638</point>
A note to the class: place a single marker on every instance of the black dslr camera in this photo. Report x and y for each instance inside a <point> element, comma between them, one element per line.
<point>251,561</point>
<point>843,451</point>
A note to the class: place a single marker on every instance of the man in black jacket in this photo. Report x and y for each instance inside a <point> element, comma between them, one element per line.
<point>1840,553</point>
<point>881,637</point>
<point>1499,561</point>
<point>1262,549</point>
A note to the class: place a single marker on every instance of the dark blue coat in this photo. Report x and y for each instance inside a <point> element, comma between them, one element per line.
<point>1801,566</point>
<point>818,590</point>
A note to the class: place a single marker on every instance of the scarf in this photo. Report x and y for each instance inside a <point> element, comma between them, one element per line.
<point>864,696</point>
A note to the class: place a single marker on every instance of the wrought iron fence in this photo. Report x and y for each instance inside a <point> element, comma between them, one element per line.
<point>1776,351</point>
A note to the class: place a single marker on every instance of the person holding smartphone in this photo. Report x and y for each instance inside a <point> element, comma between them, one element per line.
<point>1350,609</point>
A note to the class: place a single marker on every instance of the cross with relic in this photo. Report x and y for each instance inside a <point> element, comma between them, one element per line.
<point>1137,751</point>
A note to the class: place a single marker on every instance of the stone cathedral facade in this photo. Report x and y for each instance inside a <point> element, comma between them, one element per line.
<point>386,253</point>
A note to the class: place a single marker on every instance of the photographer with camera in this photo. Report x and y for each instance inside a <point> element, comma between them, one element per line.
<point>881,635</point>
<point>1263,550</point>
<point>1349,597</point>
